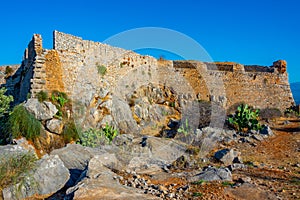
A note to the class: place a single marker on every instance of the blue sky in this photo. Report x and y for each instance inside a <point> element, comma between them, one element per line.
<point>248,32</point>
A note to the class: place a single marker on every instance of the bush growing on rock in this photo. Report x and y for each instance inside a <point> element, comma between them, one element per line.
<point>4,102</point>
<point>292,112</point>
<point>59,99</point>
<point>8,71</point>
<point>70,132</point>
<point>42,96</point>
<point>14,168</point>
<point>101,69</point>
<point>96,137</point>
<point>21,123</point>
<point>245,118</point>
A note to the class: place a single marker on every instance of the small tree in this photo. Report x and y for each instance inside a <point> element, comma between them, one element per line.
<point>4,102</point>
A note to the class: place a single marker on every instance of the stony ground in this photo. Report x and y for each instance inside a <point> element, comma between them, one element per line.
<point>273,170</point>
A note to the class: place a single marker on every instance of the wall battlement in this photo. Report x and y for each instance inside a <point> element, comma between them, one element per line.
<point>71,66</point>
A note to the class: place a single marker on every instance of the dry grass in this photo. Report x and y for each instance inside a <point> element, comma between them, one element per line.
<point>14,168</point>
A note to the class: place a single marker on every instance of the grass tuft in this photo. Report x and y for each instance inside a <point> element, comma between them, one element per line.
<point>15,167</point>
<point>21,123</point>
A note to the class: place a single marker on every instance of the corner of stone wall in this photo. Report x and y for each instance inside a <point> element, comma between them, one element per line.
<point>238,68</point>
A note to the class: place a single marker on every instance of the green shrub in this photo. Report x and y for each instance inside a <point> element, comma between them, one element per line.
<point>8,71</point>
<point>42,96</point>
<point>22,123</point>
<point>70,132</point>
<point>4,102</point>
<point>93,138</point>
<point>101,69</point>
<point>184,128</point>
<point>59,99</point>
<point>292,112</point>
<point>245,118</point>
<point>97,137</point>
<point>14,168</point>
<point>109,132</point>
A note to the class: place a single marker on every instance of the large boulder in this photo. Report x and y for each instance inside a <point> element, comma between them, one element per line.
<point>49,176</point>
<point>100,184</point>
<point>76,158</point>
<point>213,174</point>
<point>41,110</point>
<point>22,147</point>
<point>145,153</point>
<point>226,156</point>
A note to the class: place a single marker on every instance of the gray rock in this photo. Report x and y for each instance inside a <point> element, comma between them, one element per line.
<point>266,130</point>
<point>50,176</point>
<point>123,117</point>
<point>41,110</point>
<point>108,160</point>
<point>54,126</point>
<point>258,137</point>
<point>101,184</point>
<point>253,132</point>
<point>22,147</point>
<point>236,166</point>
<point>213,174</point>
<point>226,156</point>
<point>76,157</point>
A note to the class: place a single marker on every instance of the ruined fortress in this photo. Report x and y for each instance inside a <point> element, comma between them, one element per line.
<point>72,66</point>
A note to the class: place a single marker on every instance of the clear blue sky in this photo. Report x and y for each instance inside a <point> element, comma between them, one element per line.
<point>248,32</point>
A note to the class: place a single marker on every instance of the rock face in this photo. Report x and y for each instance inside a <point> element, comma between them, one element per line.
<point>41,110</point>
<point>49,177</point>
<point>75,157</point>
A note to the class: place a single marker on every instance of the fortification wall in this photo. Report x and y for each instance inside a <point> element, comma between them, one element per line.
<point>72,67</point>
<point>231,84</point>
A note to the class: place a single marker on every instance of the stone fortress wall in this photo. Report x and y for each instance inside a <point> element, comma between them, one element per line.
<point>71,67</point>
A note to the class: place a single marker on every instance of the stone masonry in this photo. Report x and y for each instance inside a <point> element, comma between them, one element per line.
<point>73,63</point>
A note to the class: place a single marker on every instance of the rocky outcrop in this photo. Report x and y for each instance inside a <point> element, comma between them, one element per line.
<point>49,176</point>
<point>101,184</point>
<point>41,110</point>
